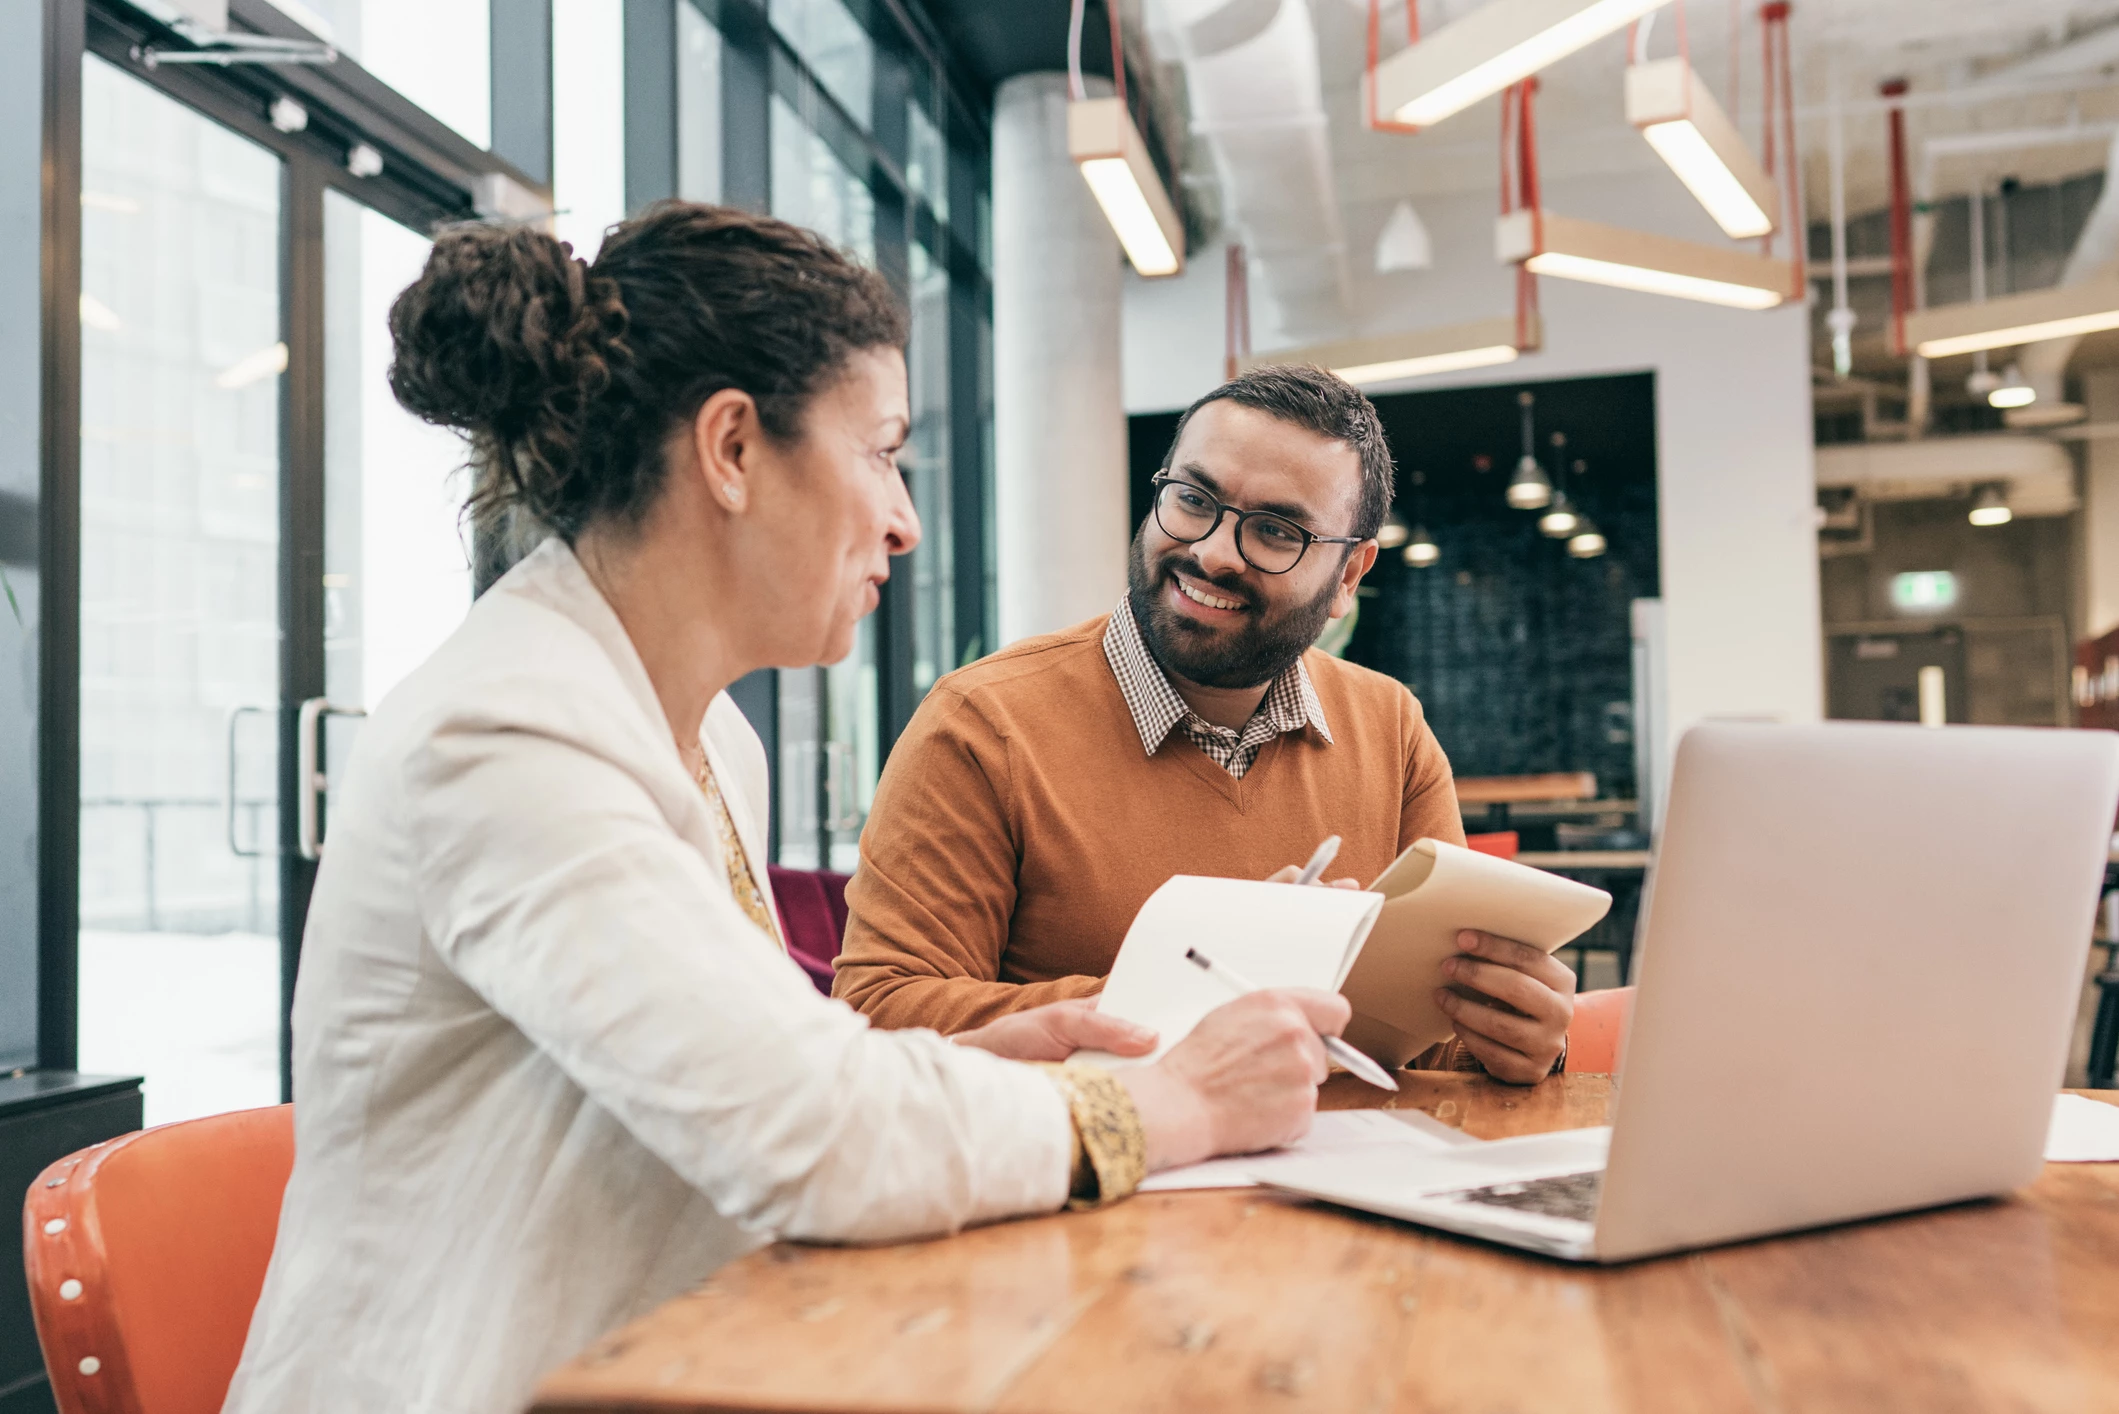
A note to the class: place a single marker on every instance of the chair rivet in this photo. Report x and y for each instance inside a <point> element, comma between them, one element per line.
<point>55,1227</point>
<point>90,1364</point>
<point>70,1290</point>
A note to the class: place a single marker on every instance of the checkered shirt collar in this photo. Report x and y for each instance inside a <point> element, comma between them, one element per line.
<point>1290,703</point>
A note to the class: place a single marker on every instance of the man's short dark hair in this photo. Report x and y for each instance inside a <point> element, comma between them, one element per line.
<point>1322,402</point>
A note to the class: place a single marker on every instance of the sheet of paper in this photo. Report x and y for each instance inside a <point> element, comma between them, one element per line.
<point>1334,1135</point>
<point>1273,935</point>
<point>2083,1132</point>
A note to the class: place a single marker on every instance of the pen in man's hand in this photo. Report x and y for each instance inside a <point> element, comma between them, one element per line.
<point>1326,853</point>
<point>1337,1049</point>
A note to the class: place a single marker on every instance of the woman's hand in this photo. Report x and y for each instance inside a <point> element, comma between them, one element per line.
<point>1519,1036</point>
<point>1245,1079</point>
<point>1056,1031</point>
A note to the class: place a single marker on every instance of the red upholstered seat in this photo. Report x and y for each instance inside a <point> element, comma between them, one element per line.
<point>812,905</point>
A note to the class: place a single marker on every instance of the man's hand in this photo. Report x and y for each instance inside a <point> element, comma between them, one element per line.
<point>1290,873</point>
<point>1528,998</point>
<point>1056,1031</point>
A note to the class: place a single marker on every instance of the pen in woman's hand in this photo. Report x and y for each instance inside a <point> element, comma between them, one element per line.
<point>1338,1050</point>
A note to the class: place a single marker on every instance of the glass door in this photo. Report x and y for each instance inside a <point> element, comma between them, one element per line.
<point>397,567</point>
<point>203,476</point>
<point>182,354</point>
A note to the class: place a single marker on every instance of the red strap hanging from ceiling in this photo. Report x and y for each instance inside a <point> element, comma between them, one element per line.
<point>1237,323</point>
<point>1519,192</point>
<point>1375,46</point>
<point>1901,221</point>
<point>1777,114</point>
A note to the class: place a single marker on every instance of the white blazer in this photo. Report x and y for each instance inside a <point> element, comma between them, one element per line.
<point>547,1073</point>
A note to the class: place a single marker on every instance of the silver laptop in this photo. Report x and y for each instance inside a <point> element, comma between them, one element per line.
<point>1861,964</point>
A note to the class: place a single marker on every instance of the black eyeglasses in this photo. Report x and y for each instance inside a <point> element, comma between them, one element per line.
<point>1269,543</point>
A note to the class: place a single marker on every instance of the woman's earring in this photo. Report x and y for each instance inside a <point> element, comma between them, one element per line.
<point>733,497</point>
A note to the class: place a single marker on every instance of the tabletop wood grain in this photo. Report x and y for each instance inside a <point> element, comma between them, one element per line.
<point>1246,1301</point>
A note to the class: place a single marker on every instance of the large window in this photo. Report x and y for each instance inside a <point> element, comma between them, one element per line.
<point>181,359</point>
<point>861,140</point>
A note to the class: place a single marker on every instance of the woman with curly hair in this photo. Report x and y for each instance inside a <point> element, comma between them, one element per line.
<point>552,1064</point>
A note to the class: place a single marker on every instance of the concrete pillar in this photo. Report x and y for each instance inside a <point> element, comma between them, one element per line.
<point>1061,512</point>
<point>2100,509</point>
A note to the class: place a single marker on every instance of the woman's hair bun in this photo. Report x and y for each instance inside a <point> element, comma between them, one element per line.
<point>569,377</point>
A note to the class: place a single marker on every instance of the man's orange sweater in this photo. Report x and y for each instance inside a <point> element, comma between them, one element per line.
<point>1020,825</point>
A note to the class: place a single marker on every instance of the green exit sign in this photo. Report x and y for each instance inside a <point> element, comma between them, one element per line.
<point>1924,591</point>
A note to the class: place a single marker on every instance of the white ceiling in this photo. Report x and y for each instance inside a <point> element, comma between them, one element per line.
<point>1942,47</point>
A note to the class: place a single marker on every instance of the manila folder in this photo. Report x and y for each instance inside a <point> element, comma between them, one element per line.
<point>1431,893</point>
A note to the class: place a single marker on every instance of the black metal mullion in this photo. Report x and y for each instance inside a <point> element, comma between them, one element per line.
<point>650,46</point>
<point>967,479</point>
<point>746,104</point>
<point>301,588</point>
<point>58,918</point>
<point>521,47</point>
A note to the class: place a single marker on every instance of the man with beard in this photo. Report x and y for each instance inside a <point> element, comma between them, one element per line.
<point>1040,795</point>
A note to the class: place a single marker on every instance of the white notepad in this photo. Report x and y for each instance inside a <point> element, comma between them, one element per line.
<point>1275,935</point>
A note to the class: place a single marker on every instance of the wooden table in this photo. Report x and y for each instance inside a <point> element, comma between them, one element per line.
<point>1246,1301</point>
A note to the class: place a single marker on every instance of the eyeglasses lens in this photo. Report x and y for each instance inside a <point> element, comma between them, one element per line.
<point>1187,513</point>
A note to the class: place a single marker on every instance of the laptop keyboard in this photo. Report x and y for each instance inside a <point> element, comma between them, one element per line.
<point>1567,1195</point>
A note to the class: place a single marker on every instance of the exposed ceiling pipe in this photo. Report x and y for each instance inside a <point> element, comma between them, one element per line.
<point>1256,94</point>
<point>1912,235</point>
<point>2045,364</point>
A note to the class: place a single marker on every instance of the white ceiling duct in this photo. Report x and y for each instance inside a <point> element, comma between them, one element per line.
<point>2039,474</point>
<point>1257,102</point>
<point>2095,250</point>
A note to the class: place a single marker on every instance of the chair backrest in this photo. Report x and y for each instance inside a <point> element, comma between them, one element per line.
<point>812,904</point>
<point>1597,1034</point>
<point>1499,843</point>
<point>145,1256</point>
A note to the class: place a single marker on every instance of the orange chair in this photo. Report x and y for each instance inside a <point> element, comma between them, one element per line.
<point>1598,1032</point>
<point>1501,843</point>
<point>145,1257</point>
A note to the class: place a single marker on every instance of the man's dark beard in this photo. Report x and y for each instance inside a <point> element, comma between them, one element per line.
<point>1255,654</point>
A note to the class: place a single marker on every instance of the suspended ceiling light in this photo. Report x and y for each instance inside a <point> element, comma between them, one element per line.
<point>1403,243</point>
<point>2002,323</point>
<point>1491,48</point>
<point>1102,140</point>
<point>1392,533</point>
<point>1587,542</point>
<point>1560,520</point>
<point>1689,131</point>
<point>1638,260</point>
<point>1529,489</point>
<point>1480,344</point>
<point>1983,381</point>
<point>1991,505</point>
<point>2012,390</point>
<point>1421,551</point>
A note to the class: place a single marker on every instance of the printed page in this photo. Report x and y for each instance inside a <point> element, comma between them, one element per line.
<point>1334,1134</point>
<point>1274,935</point>
<point>2084,1131</point>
